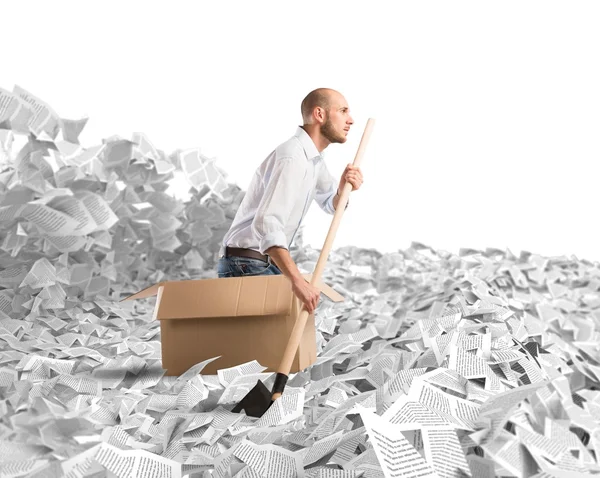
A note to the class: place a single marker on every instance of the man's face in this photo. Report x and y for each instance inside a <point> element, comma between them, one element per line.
<point>337,120</point>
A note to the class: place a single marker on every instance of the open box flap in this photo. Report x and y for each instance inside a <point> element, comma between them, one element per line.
<point>327,290</point>
<point>147,292</point>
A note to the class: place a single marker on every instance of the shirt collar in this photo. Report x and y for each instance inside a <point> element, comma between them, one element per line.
<point>308,144</point>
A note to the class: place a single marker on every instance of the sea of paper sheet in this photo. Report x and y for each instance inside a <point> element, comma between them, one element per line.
<point>476,364</point>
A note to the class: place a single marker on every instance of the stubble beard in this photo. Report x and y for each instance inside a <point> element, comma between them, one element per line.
<point>329,132</point>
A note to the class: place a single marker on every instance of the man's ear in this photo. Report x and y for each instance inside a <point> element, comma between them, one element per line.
<point>320,114</point>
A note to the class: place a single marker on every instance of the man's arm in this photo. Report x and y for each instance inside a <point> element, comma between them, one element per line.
<point>283,260</point>
<point>280,196</point>
<point>304,290</point>
<point>325,196</point>
<point>336,199</point>
<point>269,224</point>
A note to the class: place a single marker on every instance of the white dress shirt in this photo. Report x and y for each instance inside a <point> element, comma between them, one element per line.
<point>279,196</point>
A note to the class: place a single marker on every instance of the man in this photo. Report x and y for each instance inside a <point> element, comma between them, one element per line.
<point>281,191</point>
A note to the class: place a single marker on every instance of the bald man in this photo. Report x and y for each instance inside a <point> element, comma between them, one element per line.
<point>282,189</point>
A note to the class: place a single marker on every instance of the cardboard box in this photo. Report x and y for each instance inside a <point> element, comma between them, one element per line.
<point>239,318</point>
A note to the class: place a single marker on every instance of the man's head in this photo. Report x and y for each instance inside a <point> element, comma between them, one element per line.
<point>326,111</point>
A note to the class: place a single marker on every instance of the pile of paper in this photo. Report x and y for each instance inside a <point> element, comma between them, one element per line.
<point>479,364</point>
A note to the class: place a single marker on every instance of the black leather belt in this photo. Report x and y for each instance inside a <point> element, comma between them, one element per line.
<point>243,252</point>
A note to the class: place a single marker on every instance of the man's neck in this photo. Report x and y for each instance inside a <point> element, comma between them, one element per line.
<point>320,141</point>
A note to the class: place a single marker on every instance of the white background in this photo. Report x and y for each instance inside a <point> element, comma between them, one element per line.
<point>487,113</point>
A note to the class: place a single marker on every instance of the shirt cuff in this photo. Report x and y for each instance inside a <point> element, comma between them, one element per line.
<point>276,238</point>
<point>330,203</point>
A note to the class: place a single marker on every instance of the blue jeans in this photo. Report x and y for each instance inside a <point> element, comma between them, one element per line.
<point>234,266</point>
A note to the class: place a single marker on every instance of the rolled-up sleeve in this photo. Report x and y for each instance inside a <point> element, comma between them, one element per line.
<point>326,189</point>
<point>278,201</point>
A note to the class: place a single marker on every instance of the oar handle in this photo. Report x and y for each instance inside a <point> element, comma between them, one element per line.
<point>298,330</point>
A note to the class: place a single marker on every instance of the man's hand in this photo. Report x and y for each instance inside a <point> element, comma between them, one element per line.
<point>353,175</point>
<point>307,293</point>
